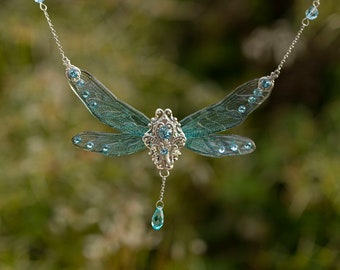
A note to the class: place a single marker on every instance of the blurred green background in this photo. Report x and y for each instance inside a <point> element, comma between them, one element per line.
<point>64,208</point>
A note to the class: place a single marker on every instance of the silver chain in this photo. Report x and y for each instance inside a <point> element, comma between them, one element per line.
<point>304,23</point>
<point>66,61</point>
<point>160,202</point>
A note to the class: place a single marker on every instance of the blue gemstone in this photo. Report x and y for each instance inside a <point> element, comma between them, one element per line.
<point>221,150</point>
<point>164,132</point>
<point>252,100</point>
<point>234,147</point>
<point>266,83</point>
<point>76,139</point>
<point>312,13</point>
<point>242,109</point>
<point>39,1</point>
<point>258,92</point>
<point>80,83</point>
<point>93,104</point>
<point>73,73</point>
<point>157,219</point>
<point>105,149</point>
<point>90,145</point>
<point>85,94</point>
<point>164,151</point>
<point>248,146</point>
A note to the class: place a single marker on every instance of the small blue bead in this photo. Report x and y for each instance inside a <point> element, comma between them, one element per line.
<point>312,13</point>
<point>80,83</point>
<point>248,146</point>
<point>164,151</point>
<point>39,1</point>
<point>242,109</point>
<point>105,149</point>
<point>73,73</point>
<point>85,94</point>
<point>266,84</point>
<point>90,145</point>
<point>164,133</point>
<point>251,100</point>
<point>258,92</point>
<point>93,104</point>
<point>221,150</point>
<point>76,139</point>
<point>234,147</point>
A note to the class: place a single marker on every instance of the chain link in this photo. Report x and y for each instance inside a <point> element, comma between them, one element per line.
<point>65,60</point>
<point>304,23</point>
<point>160,202</point>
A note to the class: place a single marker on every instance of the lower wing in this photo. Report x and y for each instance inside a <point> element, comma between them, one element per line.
<point>221,145</point>
<point>110,144</point>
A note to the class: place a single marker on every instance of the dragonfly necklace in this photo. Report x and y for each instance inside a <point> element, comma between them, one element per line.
<point>163,134</point>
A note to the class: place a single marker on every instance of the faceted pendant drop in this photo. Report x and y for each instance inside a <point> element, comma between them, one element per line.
<point>157,219</point>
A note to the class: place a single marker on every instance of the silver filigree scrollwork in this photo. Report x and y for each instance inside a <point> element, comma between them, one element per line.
<point>164,139</point>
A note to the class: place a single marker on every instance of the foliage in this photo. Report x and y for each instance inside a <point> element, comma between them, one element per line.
<point>62,208</point>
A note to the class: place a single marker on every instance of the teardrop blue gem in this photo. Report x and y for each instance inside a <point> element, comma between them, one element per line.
<point>157,219</point>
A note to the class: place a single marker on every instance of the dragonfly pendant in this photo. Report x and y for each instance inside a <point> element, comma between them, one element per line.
<point>163,134</point>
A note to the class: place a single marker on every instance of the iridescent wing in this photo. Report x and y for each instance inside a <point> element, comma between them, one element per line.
<point>111,144</point>
<point>229,112</point>
<point>105,106</point>
<point>221,145</point>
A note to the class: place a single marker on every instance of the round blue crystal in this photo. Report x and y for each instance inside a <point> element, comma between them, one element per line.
<point>164,151</point>
<point>39,1</point>
<point>93,104</point>
<point>258,92</point>
<point>242,109</point>
<point>234,147</point>
<point>221,150</point>
<point>80,83</point>
<point>76,139</point>
<point>105,149</point>
<point>248,145</point>
<point>85,94</point>
<point>252,100</point>
<point>312,13</point>
<point>73,73</point>
<point>266,83</point>
<point>164,132</point>
<point>90,145</point>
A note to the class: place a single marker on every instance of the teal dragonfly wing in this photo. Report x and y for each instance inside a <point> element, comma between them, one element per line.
<point>200,128</point>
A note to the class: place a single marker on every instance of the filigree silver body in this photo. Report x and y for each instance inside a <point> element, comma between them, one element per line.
<point>164,139</point>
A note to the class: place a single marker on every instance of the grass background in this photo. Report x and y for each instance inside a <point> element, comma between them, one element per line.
<point>63,208</point>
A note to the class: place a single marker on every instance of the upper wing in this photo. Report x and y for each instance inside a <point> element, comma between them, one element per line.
<point>104,105</point>
<point>229,112</point>
<point>221,145</point>
<point>110,144</point>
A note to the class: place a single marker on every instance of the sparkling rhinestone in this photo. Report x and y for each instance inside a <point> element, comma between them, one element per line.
<point>80,83</point>
<point>221,150</point>
<point>164,151</point>
<point>266,83</point>
<point>93,104</point>
<point>85,94</point>
<point>76,139</point>
<point>242,109</point>
<point>157,219</point>
<point>257,92</point>
<point>234,147</point>
<point>90,145</point>
<point>73,73</point>
<point>105,149</point>
<point>248,145</point>
<point>252,100</point>
<point>164,132</point>
<point>312,13</point>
